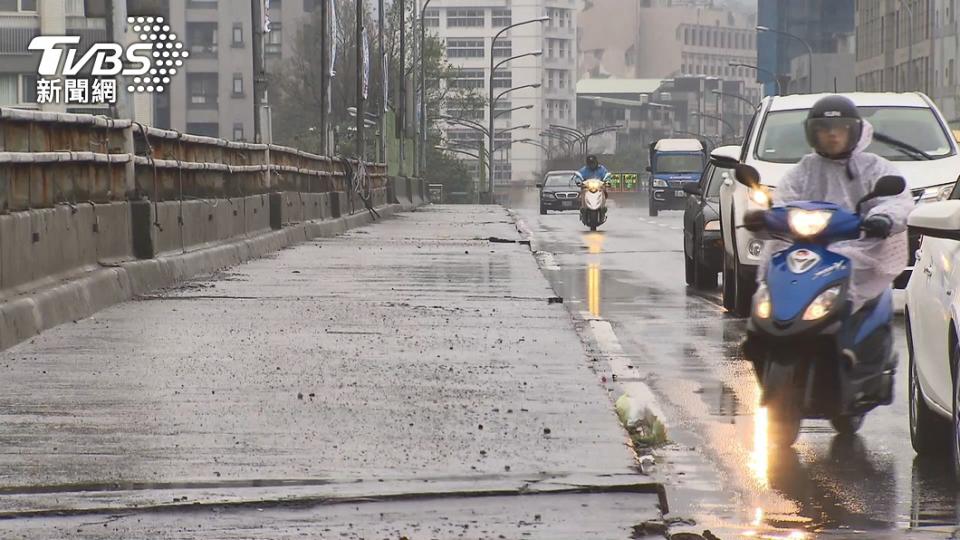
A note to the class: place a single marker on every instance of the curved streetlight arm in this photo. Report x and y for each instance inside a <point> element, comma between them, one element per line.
<point>505,111</point>
<point>514,128</point>
<point>557,127</point>
<point>761,70</point>
<point>717,118</point>
<point>604,129</point>
<point>502,62</point>
<point>465,123</point>
<point>805,44</point>
<point>455,150</point>
<point>453,145</point>
<point>735,96</point>
<point>507,91</point>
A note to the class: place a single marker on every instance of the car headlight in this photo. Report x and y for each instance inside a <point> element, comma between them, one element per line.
<point>937,193</point>
<point>760,196</point>
<point>712,225</point>
<point>822,304</point>
<point>809,222</point>
<point>659,183</point>
<point>761,303</point>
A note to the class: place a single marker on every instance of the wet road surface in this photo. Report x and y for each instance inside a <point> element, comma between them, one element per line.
<point>408,358</point>
<point>721,469</point>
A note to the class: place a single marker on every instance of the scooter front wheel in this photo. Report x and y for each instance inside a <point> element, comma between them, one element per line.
<point>847,424</point>
<point>785,418</point>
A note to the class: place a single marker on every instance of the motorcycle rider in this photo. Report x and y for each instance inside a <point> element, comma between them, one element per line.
<point>592,169</point>
<point>840,171</point>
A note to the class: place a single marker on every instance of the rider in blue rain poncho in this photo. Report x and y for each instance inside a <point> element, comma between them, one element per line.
<point>841,172</point>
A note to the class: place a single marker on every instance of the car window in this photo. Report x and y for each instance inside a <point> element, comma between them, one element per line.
<point>560,180</point>
<point>679,163</point>
<point>716,181</point>
<point>705,177</point>
<point>746,147</point>
<point>783,140</point>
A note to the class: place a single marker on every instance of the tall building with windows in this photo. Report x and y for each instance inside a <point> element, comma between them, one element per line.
<point>660,39</point>
<point>467,28</point>
<point>20,22</point>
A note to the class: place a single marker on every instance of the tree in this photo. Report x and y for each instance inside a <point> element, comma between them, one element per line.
<point>297,90</point>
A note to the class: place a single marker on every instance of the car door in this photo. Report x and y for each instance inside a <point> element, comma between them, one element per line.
<point>694,211</point>
<point>932,301</point>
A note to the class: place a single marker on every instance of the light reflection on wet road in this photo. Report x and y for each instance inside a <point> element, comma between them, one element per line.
<point>722,471</point>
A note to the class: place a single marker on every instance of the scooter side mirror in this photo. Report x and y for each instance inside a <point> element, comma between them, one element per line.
<point>747,175</point>
<point>886,186</point>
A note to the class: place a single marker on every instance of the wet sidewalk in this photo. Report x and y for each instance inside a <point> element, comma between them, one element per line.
<point>413,358</point>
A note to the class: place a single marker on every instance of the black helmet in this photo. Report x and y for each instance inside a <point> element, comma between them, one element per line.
<point>592,161</point>
<point>830,113</point>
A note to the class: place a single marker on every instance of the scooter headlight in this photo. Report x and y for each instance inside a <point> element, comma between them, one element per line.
<point>822,304</point>
<point>760,196</point>
<point>593,186</point>
<point>809,222</point>
<point>762,306</point>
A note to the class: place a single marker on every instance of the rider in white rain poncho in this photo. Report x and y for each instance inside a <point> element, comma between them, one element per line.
<point>841,172</point>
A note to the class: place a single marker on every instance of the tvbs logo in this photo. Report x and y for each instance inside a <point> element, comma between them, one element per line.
<point>106,59</point>
<point>150,62</point>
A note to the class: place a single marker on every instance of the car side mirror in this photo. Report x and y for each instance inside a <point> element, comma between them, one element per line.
<point>649,168</point>
<point>937,220</point>
<point>886,186</point>
<point>539,186</point>
<point>723,162</point>
<point>692,189</point>
<point>747,175</point>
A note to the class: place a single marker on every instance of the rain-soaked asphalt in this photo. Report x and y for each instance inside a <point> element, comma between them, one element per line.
<point>722,472</point>
<point>373,385</point>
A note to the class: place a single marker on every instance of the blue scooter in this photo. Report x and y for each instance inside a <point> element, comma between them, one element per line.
<point>814,357</point>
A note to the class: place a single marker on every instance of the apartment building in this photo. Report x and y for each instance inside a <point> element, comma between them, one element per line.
<point>467,28</point>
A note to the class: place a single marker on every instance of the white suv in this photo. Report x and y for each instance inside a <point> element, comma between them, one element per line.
<point>923,148</point>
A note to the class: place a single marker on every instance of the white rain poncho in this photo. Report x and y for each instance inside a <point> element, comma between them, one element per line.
<point>876,262</point>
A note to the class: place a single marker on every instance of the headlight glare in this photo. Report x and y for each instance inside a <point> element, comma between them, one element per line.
<point>809,222</point>
<point>712,225</point>
<point>659,183</point>
<point>760,197</point>
<point>762,306</point>
<point>822,304</point>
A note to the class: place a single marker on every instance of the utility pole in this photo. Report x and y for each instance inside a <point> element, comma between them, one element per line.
<point>324,76</point>
<point>402,106</point>
<point>116,28</point>
<point>383,86</point>
<point>256,25</point>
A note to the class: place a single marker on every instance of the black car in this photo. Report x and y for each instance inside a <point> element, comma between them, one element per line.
<point>702,242</point>
<point>559,191</point>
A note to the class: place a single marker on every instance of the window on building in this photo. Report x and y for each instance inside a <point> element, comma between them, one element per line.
<point>202,4</point>
<point>238,34</point>
<point>501,109</point>
<point>9,90</point>
<point>502,171</point>
<point>503,48</point>
<point>464,18</point>
<point>468,79</point>
<point>950,72</point>
<point>28,89</point>
<point>273,40</point>
<point>202,39</point>
<point>563,76</point>
<point>18,5</point>
<point>431,18</point>
<point>702,37</point>
<point>238,85</point>
<point>502,79</point>
<point>502,17</point>
<point>465,48</point>
<point>475,113</point>
<point>310,5</point>
<point>238,132</point>
<point>203,90</point>
<point>563,48</point>
<point>686,36</point>
<point>206,129</point>
<point>551,48</point>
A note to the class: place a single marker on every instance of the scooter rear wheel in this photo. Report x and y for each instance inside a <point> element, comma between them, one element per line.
<point>847,424</point>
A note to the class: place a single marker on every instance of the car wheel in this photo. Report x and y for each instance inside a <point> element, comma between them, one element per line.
<point>653,208</point>
<point>927,428</point>
<point>543,211</point>
<point>847,424</point>
<point>704,278</point>
<point>742,287</point>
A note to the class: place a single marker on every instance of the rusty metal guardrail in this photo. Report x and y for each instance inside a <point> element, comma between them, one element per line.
<point>49,158</point>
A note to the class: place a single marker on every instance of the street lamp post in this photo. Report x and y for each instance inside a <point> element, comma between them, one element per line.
<point>493,101</point>
<point>423,86</point>
<point>805,44</point>
<point>600,131</point>
<point>906,5</point>
<point>562,137</point>
<point>761,70</point>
